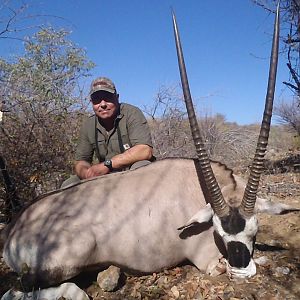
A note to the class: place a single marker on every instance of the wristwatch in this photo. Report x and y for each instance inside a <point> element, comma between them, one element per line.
<point>108,163</point>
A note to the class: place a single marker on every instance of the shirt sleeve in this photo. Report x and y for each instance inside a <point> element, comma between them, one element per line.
<point>138,128</point>
<point>85,149</point>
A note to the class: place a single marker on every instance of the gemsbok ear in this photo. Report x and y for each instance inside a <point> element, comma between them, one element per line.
<point>202,216</point>
<point>272,208</point>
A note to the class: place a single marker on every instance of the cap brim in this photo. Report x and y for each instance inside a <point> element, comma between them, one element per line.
<point>102,89</point>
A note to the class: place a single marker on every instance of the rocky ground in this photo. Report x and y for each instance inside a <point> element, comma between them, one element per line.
<point>278,273</point>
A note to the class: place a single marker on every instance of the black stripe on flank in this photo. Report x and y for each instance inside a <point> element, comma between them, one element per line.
<point>234,222</point>
<point>238,255</point>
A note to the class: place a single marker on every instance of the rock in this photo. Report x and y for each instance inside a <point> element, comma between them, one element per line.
<point>68,291</point>
<point>262,261</point>
<point>162,280</point>
<point>228,292</point>
<point>175,292</point>
<point>108,279</point>
<point>283,270</point>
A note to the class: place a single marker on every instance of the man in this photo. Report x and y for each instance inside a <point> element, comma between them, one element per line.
<point>118,134</point>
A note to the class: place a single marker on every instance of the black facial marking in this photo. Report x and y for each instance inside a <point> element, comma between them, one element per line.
<point>195,229</point>
<point>220,244</point>
<point>238,255</point>
<point>234,222</point>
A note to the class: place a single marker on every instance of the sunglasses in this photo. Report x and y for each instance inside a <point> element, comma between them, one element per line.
<point>97,97</point>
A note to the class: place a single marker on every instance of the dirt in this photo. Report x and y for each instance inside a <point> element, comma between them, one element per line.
<point>277,247</point>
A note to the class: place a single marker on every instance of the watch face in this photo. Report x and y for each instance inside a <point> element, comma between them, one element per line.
<point>108,164</point>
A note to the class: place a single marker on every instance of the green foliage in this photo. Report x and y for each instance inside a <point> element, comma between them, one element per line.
<point>43,97</point>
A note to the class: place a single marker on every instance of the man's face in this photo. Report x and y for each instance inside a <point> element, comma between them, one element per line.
<point>105,104</point>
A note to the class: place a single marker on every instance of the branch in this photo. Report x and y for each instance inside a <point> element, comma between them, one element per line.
<point>291,86</point>
<point>294,75</point>
<point>8,136</point>
<point>292,41</point>
<point>16,15</point>
<point>12,38</point>
<point>297,4</point>
<point>263,6</point>
<point>9,22</point>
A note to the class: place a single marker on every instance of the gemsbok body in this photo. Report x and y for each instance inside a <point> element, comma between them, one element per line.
<point>150,218</point>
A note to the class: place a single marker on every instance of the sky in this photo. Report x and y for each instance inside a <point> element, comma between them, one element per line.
<point>226,47</point>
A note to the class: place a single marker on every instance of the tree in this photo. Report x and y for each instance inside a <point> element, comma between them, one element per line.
<point>171,133</point>
<point>169,125</point>
<point>292,43</point>
<point>289,113</point>
<point>42,91</point>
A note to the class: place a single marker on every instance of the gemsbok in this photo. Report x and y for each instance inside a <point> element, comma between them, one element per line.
<point>151,218</point>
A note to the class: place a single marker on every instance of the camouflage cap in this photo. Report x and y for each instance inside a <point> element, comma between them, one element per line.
<point>102,84</point>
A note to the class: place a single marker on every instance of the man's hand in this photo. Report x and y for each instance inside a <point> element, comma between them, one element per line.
<point>96,170</point>
<point>84,169</point>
